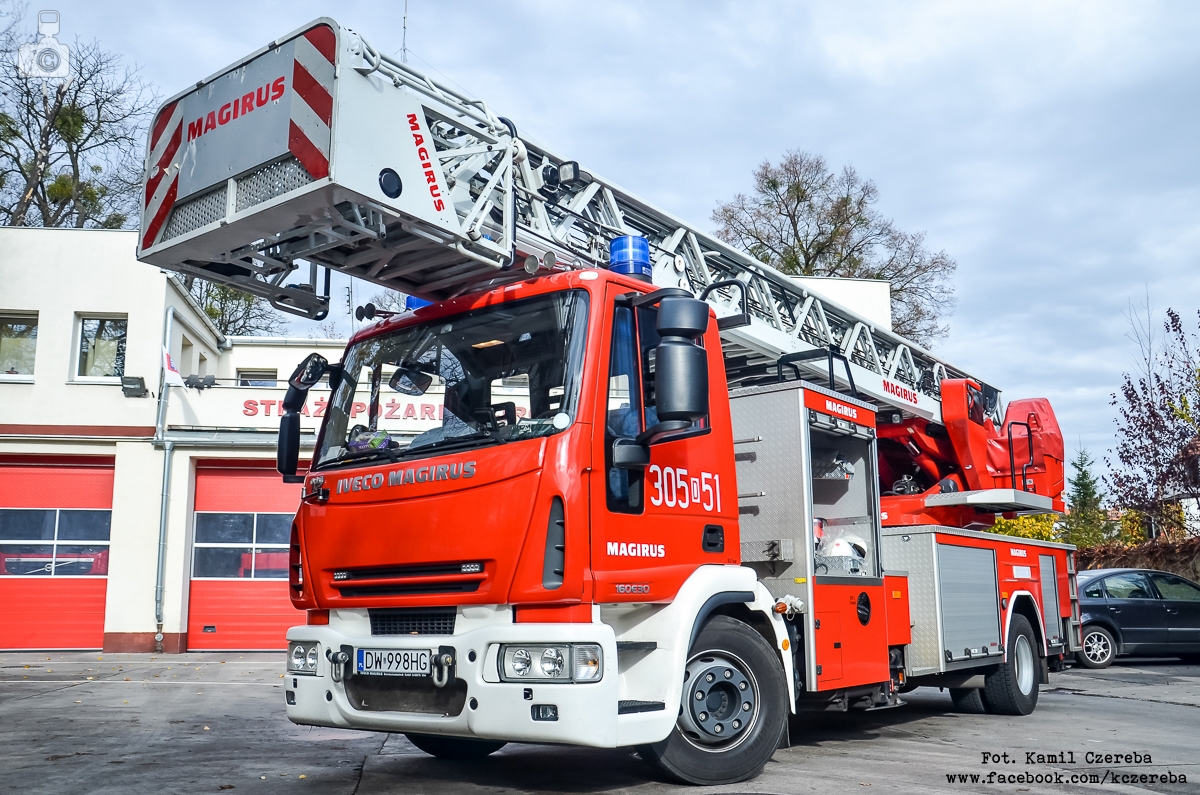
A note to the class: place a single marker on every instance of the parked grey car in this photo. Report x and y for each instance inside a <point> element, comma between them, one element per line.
<point>1137,611</point>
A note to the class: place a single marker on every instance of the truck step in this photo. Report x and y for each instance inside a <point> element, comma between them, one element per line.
<point>630,707</point>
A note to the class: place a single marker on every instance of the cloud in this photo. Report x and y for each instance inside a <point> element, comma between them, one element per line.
<point>1048,146</point>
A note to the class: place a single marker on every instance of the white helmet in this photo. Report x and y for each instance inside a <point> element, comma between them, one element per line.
<point>847,547</point>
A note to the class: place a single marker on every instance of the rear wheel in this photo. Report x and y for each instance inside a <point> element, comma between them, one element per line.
<point>1099,648</point>
<point>454,747</point>
<point>967,699</point>
<point>1013,688</point>
<point>733,712</point>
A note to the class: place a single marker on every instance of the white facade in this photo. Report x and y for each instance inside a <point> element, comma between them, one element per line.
<point>68,279</point>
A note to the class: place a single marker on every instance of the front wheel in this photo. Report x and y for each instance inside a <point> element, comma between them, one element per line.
<point>1013,688</point>
<point>733,710</point>
<point>1099,648</point>
<point>454,747</point>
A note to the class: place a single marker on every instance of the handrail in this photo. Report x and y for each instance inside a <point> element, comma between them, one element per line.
<point>1012,464</point>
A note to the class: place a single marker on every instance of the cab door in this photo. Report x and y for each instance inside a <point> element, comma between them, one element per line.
<point>653,526</point>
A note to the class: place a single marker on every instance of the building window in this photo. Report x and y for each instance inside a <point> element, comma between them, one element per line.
<point>58,543</point>
<point>258,377</point>
<point>18,341</point>
<point>102,347</point>
<point>241,546</point>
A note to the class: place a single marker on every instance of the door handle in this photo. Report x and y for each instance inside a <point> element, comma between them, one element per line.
<point>1173,611</point>
<point>1115,609</point>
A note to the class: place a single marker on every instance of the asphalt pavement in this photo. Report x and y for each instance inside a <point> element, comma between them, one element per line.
<point>127,723</point>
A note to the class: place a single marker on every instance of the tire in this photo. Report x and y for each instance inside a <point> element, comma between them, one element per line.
<point>1099,647</point>
<point>1013,688</point>
<point>967,700</point>
<point>454,747</point>
<point>728,733</point>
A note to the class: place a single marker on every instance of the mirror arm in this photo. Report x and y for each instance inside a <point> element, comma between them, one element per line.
<point>634,300</point>
<point>293,401</point>
<point>662,432</point>
<point>336,372</point>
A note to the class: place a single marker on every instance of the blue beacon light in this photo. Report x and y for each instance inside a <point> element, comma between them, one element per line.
<point>630,255</point>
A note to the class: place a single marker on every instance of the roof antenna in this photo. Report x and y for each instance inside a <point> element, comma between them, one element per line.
<point>404,39</point>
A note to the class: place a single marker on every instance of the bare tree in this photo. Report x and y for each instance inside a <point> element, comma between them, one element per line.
<point>1157,455</point>
<point>807,220</point>
<point>390,301</point>
<point>70,152</point>
<point>236,313</point>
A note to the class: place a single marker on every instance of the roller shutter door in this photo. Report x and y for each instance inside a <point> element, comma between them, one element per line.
<point>241,523</point>
<point>55,521</point>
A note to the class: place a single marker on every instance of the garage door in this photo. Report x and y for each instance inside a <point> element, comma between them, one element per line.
<point>55,518</point>
<point>241,526</point>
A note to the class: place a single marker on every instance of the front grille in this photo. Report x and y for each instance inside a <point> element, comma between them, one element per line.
<point>195,213</point>
<point>414,579</point>
<point>413,621</point>
<point>392,572</point>
<point>402,589</point>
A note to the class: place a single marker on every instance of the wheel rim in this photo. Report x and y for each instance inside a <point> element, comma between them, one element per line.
<point>720,702</point>
<point>1097,648</point>
<point>1024,665</point>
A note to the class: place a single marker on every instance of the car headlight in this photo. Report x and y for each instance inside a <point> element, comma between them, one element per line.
<point>303,656</point>
<point>559,662</point>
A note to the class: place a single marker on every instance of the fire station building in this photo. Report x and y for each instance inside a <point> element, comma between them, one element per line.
<point>130,517</point>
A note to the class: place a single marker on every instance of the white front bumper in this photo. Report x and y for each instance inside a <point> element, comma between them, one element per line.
<point>495,710</point>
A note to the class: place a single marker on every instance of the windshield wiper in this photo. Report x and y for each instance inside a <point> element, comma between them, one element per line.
<point>452,442</point>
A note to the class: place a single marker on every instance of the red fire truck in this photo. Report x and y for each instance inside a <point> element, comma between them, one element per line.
<point>656,512</point>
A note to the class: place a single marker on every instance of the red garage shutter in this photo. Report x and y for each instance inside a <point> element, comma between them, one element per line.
<point>55,517</point>
<point>240,526</point>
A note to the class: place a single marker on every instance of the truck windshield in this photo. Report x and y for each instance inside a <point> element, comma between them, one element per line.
<point>490,376</point>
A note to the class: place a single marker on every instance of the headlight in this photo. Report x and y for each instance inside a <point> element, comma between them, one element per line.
<point>587,663</point>
<point>552,663</point>
<point>303,657</point>
<point>560,662</point>
<point>519,662</point>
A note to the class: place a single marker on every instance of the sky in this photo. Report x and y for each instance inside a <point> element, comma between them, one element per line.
<point>1048,147</point>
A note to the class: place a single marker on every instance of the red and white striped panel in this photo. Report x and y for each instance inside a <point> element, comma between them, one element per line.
<point>312,99</point>
<point>163,182</point>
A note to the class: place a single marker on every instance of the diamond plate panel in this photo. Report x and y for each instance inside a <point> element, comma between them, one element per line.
<point>270,181</point>
<point>195,213</point>
<point>916,555</point>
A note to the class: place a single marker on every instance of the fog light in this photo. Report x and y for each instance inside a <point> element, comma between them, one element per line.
<point>520,662</point>
<point>311,660</point>
<point>544,711</point>
<point>587,663</point>
<point>552,662</point>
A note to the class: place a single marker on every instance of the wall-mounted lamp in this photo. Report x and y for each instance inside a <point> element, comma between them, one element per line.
<point>134,386</point>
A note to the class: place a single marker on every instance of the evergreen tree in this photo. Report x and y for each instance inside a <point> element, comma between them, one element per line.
<point>1087,523</point>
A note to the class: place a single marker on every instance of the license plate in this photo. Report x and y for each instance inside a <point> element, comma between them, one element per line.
<point>394,662</point>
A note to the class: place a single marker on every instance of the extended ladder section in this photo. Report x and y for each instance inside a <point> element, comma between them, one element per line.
<point>318,153</point>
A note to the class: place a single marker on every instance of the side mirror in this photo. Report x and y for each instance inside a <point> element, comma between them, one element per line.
<point>628,454</point>
<point>309,372</point>
<point>681,366</point>
<point>410,381</point>
<point>288,455</point>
